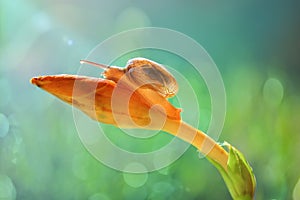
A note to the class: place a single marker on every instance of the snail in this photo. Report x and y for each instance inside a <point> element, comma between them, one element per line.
<point>142,72</point>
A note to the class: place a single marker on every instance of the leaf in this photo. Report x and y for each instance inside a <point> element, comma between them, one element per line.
<point>238,176</point>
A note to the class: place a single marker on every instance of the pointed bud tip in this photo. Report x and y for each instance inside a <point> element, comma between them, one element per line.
<point>35,81</point>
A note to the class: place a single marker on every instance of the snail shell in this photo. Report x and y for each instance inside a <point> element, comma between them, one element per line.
<point>151,75</point>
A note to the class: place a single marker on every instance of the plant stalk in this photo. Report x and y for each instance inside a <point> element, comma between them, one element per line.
<point>205,144</point>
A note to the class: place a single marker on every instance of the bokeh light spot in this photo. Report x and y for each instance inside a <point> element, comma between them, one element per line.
<point>273,92</point>
<point>4,125</point>
<point>135,180</point>
<point>68,41</point>
<point>132,18</point>
<point>7,189</point>
<point>41,22</point>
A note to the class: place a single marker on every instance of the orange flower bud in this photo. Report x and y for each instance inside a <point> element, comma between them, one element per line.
<point>94,96</point>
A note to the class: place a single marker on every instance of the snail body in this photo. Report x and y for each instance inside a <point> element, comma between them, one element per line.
<point>144,73</point>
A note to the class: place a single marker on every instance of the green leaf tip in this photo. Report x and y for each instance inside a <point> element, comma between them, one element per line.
<point>238,176</point>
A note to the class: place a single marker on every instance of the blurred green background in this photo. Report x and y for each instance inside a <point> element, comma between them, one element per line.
<point>255,44</point>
